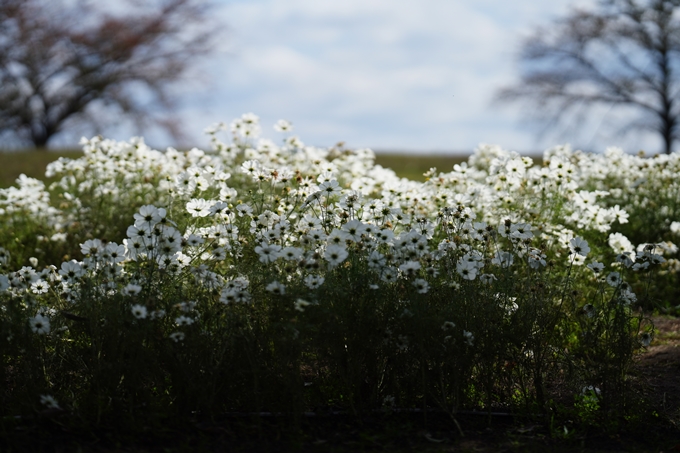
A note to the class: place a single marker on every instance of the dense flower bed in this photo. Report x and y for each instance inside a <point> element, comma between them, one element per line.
<point>258,276</point>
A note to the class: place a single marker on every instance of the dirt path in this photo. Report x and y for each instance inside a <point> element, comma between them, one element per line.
<point>659,365</point>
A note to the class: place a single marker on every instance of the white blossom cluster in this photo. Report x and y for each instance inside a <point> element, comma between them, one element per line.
<point>304,212</point>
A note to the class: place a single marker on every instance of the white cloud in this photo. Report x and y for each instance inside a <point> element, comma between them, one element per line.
<point>401,74</point>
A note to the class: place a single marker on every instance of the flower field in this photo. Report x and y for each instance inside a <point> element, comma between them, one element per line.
<point>277,277</point>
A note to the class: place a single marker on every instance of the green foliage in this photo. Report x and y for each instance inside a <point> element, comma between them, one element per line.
<point>141,286</point>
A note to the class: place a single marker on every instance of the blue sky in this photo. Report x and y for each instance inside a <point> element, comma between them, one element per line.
<point>408,75</point>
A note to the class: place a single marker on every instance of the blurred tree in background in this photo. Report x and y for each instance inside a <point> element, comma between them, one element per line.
<point>64,63</point>
<point>622,53</point>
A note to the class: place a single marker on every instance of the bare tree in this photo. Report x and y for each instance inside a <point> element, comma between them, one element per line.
<point>623,53</point>
<point>65,62</point>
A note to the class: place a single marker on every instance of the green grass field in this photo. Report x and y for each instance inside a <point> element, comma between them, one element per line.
<point>33,163</point>
<point>412,166</point>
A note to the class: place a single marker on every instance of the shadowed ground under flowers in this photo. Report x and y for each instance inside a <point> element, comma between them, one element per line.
<point>656,373</point>
<point>659,366</point>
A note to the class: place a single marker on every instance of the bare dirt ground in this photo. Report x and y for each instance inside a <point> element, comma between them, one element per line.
<point>659,366</point>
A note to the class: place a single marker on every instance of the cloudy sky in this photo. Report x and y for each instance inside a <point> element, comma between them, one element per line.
<point>404,75</point>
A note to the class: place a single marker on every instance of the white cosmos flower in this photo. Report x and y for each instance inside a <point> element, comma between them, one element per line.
<point>268,252</point>
<point>627,297</point>
<point>410,267</point>
<point>184,321</point>
<point>40,287</point>
<point>338,237</point>
<point>474,258</point>
<point>59,237</point>
<point>620,243</point>
<point>614,279</point>
<point>389,274</point>
<point>291,253</point>
<point>244,209</point>
<point>313,281</point>
<point>625,258</point>
<point>596,267</point>
<point>138,233</point>
<point>645,339</point>
<point>329,188</point>
<point>251,167</point>
<point>504,228</point>
<point>294,142</point>
<point>376,260</point>
<point>283,126</point>
<point>219,254</point>
<point>487,278</point>
<point>308,222</point>
<point>335,254</point>
<point>503,259</point>
<point>578,245</point>
<point>237,283</point>
<point>576,259</point>
<point>234,295</point>
<point>521,231</point>
<point>384,235</point>
<point>316,235</point>
<point>49,402</point>
<point>185,183</point>
<point>139,311</point>
<point>114,252</point>
<point>469,338</point>
<point>354,229</point>
<point>421,285</point>
<point>590,390</point>
<point>199,207</point>
<point>40,324</point>
<point>228,194</point>
<point>221,208</point>
<point>148,216</point>
<point>91,247</point>
<point>276,288</point>
<point>467,270</point>
<point>133,248</point>
<point>589,310</point>
<point>448,325</point>
<point>131,290</point>
<point>619,214</point>
<point>300,305</point>
<point>177,336</point>
<point>194,240</point>
<point>675,227</point>
<point>202,184</point>
<point>158,314</point>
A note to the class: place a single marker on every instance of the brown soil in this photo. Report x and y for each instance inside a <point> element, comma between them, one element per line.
<point>659,366</point>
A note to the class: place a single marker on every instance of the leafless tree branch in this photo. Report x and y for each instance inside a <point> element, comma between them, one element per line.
<point>57,62</point>
<point>625,53</point>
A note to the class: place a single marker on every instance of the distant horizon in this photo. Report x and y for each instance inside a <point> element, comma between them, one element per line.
<point>378,151</point>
